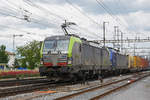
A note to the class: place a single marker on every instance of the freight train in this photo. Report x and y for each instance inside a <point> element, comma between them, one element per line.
<point>72,57</point>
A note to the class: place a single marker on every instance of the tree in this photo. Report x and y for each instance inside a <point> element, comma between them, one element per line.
<point>16,64</point>
<point>29,55</point>
<point>3,54</point>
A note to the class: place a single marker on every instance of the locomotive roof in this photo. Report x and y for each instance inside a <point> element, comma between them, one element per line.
<point>58,37</point>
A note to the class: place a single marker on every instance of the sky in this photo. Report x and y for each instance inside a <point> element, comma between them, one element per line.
<point>45,18</point>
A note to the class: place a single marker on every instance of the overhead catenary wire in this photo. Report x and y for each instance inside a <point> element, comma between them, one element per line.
<point>46,11</point>
<point>123,8</point>
<point>8,11</point>
<point>28,34</point>
<point>37,6</point>
<point>11,7</point>
<point>22,18</point>
<point>19,30</point>
<point>92,20</point>
<point>5,14</point>
<point>42,9</point>
<point>34,19</point>
<point>85,15</point>
<point>110,12</point>
<point>97,36</point>
<point>82,33</point>
<point>38,16</point>
<point>35,15</point>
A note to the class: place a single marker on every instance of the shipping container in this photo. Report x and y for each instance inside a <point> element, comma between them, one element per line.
<point>131,61</point>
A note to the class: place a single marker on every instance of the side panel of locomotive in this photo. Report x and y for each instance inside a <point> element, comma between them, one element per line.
<point>90,55</point>
<point>74,54</point>
<point>87,55</point>
<point>95,57</point>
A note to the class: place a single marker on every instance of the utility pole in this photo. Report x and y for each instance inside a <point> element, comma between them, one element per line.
<point>14,41</point>
<point>121,41</point>
<point>104,30</point>
<point>134,50</point>
<point>115,34</point>
<point>118,35</point>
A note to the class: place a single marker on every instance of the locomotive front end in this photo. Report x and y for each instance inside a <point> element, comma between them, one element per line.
<point>55,52</point>
<point>54,55</point>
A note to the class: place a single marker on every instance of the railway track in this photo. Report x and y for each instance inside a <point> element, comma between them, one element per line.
<point>28,85</point>
<point>16,82</point>
<point>10,91</point>
<point>98,92</point>
<point>21,89</point>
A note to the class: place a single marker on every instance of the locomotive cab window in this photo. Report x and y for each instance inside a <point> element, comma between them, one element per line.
<point>49,45</point>
<point>56,45</point>
<point>62,45</point>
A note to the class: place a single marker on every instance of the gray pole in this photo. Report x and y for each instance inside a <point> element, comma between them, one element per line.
<point>104,28</point>
<point>121,41</point>
<point>13,43</point>
<point>134,47</point>
<point>118,45</point>
<point>115,34</point>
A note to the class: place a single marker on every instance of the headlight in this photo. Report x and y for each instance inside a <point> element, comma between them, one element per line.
<point>69,62</point>
<point>45,53</point>
<point>41,62</point>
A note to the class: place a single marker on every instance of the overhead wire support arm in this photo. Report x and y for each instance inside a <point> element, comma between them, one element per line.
<point>124,40</point>
<point>42,9</point>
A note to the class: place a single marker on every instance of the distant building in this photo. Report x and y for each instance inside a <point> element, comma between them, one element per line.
<point>11,57</point>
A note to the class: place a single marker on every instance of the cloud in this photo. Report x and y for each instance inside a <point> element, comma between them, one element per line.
<point>132,17</point>
<point>138,21</point>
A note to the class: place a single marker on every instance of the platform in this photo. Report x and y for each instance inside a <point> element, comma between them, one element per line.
<point>137,91</point>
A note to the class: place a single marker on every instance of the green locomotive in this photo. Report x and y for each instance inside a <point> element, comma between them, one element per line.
<point>70,57</point>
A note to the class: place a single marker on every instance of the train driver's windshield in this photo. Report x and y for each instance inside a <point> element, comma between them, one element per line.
<point>56,45</point>
<point>62,45</point>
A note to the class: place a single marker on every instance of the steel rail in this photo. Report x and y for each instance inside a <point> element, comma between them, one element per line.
<point>93,89</point>
<point>16,82</point>
<point>23,89</point>
<point>88,90</point>
<point>30,88</point>
<point>116,89</point>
